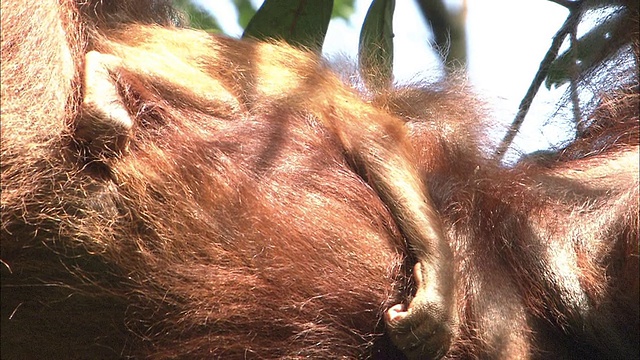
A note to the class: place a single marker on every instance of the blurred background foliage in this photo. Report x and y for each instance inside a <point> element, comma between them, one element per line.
<point>446,23</point>
<point>201,19</point>
<point>570,59</point>
<point>303,22</point>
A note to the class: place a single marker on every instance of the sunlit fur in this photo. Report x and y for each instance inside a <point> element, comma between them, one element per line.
<point>238,221</point>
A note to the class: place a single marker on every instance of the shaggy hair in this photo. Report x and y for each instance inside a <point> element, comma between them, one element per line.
<point>234,222</point>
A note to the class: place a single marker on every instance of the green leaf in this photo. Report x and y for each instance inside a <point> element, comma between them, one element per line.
<point>375,54</point>
<point>245,11</point>
<point>198,17</point>
<point>343,9</point>
<point>591,49</point>
<point>298,22</point>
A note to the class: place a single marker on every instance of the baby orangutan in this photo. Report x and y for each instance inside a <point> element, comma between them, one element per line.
<point>374,143</point>
<point>167,193</point>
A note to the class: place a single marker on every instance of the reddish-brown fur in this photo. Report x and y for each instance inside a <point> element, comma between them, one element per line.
<point>547,256</point>
<point>234,232</point>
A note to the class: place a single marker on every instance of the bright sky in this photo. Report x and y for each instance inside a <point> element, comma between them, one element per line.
<point>501,74</point>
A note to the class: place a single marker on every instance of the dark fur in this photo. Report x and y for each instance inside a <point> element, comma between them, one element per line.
<point>240,228</point>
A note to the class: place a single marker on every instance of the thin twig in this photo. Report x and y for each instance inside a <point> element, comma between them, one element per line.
<point>573,81</point>
<point>543,70</point>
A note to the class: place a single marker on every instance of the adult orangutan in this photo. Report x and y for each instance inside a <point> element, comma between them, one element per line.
<point>171,194</point>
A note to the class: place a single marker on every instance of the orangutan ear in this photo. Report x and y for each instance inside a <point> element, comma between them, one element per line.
<point>104,125</point>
